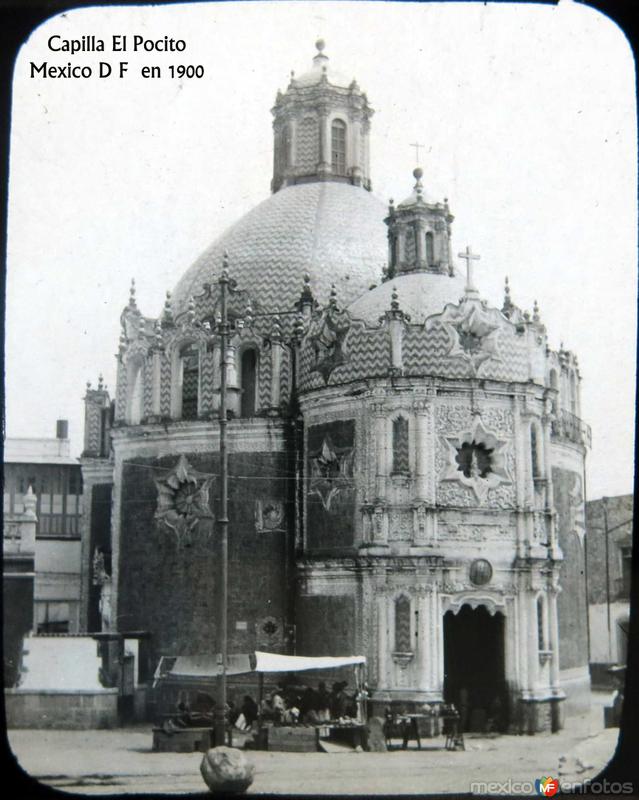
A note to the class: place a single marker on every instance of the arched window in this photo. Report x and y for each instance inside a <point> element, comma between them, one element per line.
<point>283,148</point>
<point>534,452</point>
<point>338,147</point>
<point>541,624</point>
<point>248,382</point>
<point>135,406</point>
<point>573,393</point>
<point>400,446</point>
<point>190,380</point>
<point>430,249</point>
<point>402,625</point>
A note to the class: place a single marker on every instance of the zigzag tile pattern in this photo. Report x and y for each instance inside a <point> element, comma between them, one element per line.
<point>285,377</point>
<point>333,231</point>
<point>369,354</point>
<point>120,392</point>
<point>165,385</point>
<point>307,145</point>
<point>148,386</point>
<point>264,379</point>
<point>206,382</point>
<point>423,354</point>
<point>93,424</point>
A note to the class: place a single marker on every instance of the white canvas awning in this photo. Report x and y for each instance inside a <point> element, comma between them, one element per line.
<point>203,667</point>
<point>275,662</point>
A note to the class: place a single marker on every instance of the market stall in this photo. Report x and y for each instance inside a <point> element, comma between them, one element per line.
<point>289,717</point>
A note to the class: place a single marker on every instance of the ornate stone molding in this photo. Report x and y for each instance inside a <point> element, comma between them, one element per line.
<point>480,481</point>
<point>472,329</point>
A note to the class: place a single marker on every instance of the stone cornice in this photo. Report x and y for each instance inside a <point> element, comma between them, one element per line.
<point>253,435</point>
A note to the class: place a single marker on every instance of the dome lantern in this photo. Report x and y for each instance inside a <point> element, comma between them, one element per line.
<point>321,127</point>
<point>419,233</point>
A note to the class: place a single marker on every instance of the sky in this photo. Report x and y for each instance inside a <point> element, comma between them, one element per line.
<point>526,113</point>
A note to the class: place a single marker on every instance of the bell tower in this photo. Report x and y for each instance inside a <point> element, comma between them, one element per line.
<point>321,129</point>
<point>419,233</point>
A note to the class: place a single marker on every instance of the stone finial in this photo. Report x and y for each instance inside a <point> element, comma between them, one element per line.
<point>418,174</point>
<point>30,502</point>
<point>248,315</point>
<point>394,300</point>
<point>535,316</point>
<point>167,314</point>
<point>190,313</point>
<point>391,207</point>
<point>224,277</point>
<point>132,302</point>
<point>507,307</point>
<point>298,327</point>
<point>306,295</point>
<point>88,386</point>
<point>158,339</point>
<point>320,58</point>
<point>332,300</point>
<point>100,382</point>
<point>276,329</point>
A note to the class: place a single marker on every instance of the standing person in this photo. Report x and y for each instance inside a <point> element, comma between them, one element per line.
<point>339,700</point>
<point>323,702</point>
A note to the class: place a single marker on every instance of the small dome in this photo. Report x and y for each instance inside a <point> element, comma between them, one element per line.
<point>321,66</point>
<point>335,232</point>
<point>420,295</point>
<point>418,192</point>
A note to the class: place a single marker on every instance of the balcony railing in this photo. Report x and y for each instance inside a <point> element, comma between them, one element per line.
<point>570,427</point>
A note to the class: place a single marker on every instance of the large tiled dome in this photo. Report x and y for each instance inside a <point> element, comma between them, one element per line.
<point>333,231</point>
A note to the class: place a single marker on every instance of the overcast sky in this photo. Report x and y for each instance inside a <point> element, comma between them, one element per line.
<point>527,114</point>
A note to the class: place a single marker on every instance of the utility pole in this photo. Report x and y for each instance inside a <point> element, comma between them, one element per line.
<point>604,505</point>
<point>223,519</point>
<point>223,330</point>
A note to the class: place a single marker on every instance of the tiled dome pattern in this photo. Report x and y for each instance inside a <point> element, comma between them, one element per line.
<point>420,295</point>
<point>334,232</point>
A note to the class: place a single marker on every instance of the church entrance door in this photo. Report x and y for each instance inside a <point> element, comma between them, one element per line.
<point>474,668</point>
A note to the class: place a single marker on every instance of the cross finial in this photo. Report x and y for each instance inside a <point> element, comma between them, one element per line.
<point>469,257</point>
<point>417,147</point>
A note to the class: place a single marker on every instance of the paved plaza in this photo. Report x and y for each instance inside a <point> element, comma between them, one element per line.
<point>121,761</point>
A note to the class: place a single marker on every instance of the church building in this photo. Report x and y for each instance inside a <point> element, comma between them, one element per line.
<point>406,461</point>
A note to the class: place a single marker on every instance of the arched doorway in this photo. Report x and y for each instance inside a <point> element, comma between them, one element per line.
<point>474,668</point>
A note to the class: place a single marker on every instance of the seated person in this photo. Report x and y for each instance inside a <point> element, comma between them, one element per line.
<point>339,700</point>
<point>323,702</point>
<point>273,707</point>
<point>291,715</point>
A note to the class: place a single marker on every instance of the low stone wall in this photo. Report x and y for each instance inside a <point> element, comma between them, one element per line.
<point>61,709</point>
<point>576,684</point>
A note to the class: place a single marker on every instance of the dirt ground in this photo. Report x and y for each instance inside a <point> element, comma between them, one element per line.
<point>121,762</point>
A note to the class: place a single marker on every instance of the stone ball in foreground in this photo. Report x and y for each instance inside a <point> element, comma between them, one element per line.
<point>226,770</point>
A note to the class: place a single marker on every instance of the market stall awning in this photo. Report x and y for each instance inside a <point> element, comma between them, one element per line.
<point>275,662</point>
<point>201,667</point>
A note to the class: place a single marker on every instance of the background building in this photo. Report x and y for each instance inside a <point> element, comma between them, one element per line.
<point>45,467</point>
<point>406,462</point>
<point>609,572</point>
